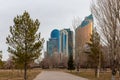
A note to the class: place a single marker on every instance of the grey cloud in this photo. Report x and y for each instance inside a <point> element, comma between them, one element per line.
<point>51,13</point>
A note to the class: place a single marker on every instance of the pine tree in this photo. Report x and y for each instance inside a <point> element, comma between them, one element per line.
<point>71,65</point>
<point>94,54</point>
<point>1,62</point>
<point>24,43</point>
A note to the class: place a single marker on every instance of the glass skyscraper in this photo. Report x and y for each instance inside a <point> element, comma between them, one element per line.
<point>82,36</point>
<point>53,43</point>
<point>84,31</point>
<point>66,40</point>
<point>60,41</point>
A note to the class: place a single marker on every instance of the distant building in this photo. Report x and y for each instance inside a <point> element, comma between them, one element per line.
<point>82,36</point>
<point>84,31</point>
<point>61,42</point>
<point>64,41</point>
<point>70,41</point>
<point>53,43</point>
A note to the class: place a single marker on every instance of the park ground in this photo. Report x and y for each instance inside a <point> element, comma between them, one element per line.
<point>88,74</point>
<point>33,73</point>
<point>18,74</point>
<point>57,75</point>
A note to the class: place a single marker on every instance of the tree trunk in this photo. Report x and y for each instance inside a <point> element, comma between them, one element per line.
<point>78,67</point>
<point>99,66</point>
<point>114,66</point>
<point>113,73</point>
<point>95,72</point>
<point>113,77</point>
<point>25,71</point>
<point>98,72</point>
<point>119,74</point>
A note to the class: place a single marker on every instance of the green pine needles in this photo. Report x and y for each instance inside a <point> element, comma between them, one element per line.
<point>24,43</point>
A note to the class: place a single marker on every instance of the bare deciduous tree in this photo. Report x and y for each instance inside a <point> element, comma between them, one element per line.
<point>56,60</point>
<point>76,50</point>
<point>107,15</point>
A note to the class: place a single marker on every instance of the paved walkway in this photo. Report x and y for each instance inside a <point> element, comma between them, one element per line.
<point>57,75</point>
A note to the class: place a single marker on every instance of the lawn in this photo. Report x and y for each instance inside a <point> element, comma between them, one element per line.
<point>18,74</point>
<point>89,74</point>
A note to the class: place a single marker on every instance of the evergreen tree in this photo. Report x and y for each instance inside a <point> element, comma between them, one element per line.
<point>107,16</point>
<point>1,62</point>
<point>24,42</point>
<point>71,65</point>
<point>94,54</point>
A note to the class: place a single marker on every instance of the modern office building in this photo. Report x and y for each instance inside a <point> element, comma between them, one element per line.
<point>61,42</point>
<point>82,36</point>
<point>83,32</point>
<point>70,41</point>
<point>66,41</point>
<point>53,43</point>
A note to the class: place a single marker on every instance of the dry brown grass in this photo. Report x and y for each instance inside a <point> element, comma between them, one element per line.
<point>106,75</point>
<point>18,74</point>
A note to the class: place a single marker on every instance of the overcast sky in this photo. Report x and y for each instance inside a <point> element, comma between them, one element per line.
<point>52,14</point>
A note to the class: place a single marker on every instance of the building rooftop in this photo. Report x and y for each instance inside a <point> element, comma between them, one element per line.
<point>55,33</point>
<point>86,21</point>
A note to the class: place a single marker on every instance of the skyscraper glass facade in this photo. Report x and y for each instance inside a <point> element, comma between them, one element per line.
<point>83,32</point>
<point>53,43</point>
<point>60,41</point>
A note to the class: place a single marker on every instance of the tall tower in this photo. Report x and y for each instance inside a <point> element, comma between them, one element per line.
<point>53,43</point>
<point>70,41</point>
<point>61,42</point>
<point>64,42</point>
<point>83,33</point>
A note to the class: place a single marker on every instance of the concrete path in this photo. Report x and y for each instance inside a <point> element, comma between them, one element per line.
<point>57,75</point>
